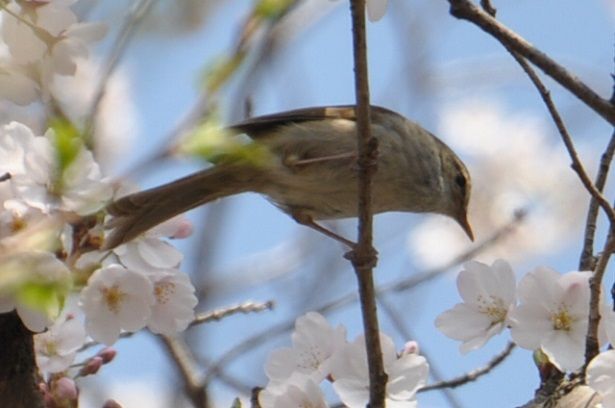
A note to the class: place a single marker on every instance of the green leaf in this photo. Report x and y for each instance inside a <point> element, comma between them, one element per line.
<point>271,8</point>
<point>214,143</point>
<point>68,142</point>
<point>48,299</point>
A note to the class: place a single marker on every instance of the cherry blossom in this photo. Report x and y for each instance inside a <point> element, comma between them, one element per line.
<point>601,377</point>
<point>406,374</point>
<point>488,293</point>
<point>116,298</point>
<point>552,315</point>
<point>314,343</point>
<point>49,34</point>
<point>173,309</point>
<point>33,269</point>
<point>56,348</point>
<point>81,189</point>
<point>304,393</point>
<point>376,9</point>
<point>148,251</point>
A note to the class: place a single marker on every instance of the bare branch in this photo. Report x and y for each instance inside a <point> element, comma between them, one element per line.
<point>474,374</point>
<point>184,361</point>
<point>592,347</point>
<point>363,256</point>
<point>587,260</point>
<point>465,9</point>
<point>577,166</point>
<point>219,314</point>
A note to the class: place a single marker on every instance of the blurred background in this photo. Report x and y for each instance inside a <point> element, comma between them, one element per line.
<point>196,63</point>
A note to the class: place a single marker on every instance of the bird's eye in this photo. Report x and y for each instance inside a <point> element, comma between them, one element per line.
<point>460,180</point>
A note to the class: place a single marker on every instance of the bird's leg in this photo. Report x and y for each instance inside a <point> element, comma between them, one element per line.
<point>308,221</point>
<point>293,161</point>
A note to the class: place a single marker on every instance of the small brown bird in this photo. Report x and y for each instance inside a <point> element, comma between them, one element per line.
<point>312,173</point>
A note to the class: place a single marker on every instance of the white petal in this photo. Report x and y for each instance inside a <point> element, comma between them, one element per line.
<point>376,9</point>
<point>601,377</point>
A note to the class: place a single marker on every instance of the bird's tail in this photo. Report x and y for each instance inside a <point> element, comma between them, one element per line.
<point>138,212</point>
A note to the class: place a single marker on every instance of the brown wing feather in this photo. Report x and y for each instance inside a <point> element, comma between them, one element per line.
<point>262,124</point>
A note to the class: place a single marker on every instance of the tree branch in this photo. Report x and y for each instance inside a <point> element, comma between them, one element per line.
<point>18,371</point>
<point>577,166</point>
<point>219,314</point>
<point>587,260</point>
<point>184,361</point>
<point>363,256</point>
<point>466,10</point>
<point>474,374</point>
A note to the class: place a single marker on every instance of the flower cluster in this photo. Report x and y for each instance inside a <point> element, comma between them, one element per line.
<point>322,352</point>
<point>53,193</point>
<point>551,315</point>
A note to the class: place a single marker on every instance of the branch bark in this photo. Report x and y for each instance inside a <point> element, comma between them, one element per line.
<point>363,256</point>
<point>466,10</point>
<point>18,371</point>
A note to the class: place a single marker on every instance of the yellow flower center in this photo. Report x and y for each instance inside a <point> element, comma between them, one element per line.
<point>113,298</point>
<point>562,320</point>
<point>163,291</point>
<point>493,307</point>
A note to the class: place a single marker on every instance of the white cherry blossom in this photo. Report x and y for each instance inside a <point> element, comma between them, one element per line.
<point>552,315</point>
<point>56,348</point>
<point>406,374</point>
<point>33,268</point>
<point>314,343</point>
<point>174,303</point>
<point>601,377</point>
<point>81,188</point>
<point>488,294</point>
<point>303,393</point>
<point>376,9</point>
<point>148,251</point>
<point>49,34</point>
<point>116,298</point>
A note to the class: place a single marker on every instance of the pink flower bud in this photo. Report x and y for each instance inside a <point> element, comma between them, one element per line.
<point>184,229</point>
<point>92,366</point>
<point>111,404</point>
<point>411,347</point>
<point>65,389</point>
<point>107,354</point>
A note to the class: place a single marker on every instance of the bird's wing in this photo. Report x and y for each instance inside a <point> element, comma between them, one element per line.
<point>262,124</point>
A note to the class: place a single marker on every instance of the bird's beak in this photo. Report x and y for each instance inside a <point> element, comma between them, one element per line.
<point>462,219</point>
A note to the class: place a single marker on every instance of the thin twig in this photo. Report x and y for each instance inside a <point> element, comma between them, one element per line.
<point>577,165</point>
<point>587,260</point>
<point>247,307</point>
<point>592,347</point>
<point>474,374</point>
<point>219,314</point>
<point>363,256</point>
<point>591,344</point>
<point>133,20</point>
<point>184,361</point>
<point>465,9</point>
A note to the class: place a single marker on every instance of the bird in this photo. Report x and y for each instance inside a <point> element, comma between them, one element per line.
<point>310,173</point>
